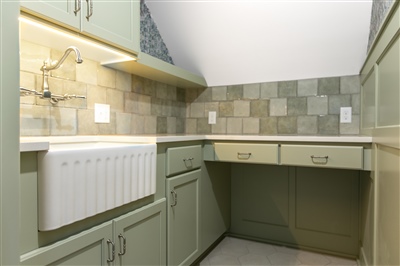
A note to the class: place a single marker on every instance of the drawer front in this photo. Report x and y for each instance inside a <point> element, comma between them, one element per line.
<point>322,156</point>
<point>183,159</point>
<point>246,153</point>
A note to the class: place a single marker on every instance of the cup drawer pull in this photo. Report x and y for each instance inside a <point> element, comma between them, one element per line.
<point>319,159</point>
<point>244,155</point>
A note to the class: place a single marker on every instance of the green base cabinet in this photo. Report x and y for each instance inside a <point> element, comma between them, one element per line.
<point>183,218</point>
<point>92,247</point>
<point>143,233</point>
<point>116,22</point>
<point>305,207</point>
<point>137,238</point>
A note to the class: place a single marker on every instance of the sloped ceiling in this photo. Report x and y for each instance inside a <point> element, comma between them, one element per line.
<point>240,42</point>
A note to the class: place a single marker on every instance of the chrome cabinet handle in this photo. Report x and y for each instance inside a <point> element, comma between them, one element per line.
<point>319,159</point>
<point>89,9</point>
<point>120,236</point>
<point>244,155</point>
<point>112,251</point>
<point>77,6</point>
<point>174,197</point>
<point>188,159</point>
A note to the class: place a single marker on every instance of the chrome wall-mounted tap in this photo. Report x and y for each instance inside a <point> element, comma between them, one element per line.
<point>49,65</point>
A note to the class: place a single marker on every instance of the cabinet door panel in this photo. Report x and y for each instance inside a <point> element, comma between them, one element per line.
<point>58,11</point>
<point>145,234</point>
<point>115,21</point>
<point>183,218</point>
<point>87,248</point>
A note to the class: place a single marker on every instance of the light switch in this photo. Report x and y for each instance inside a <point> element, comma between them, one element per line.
<point>101,113</point>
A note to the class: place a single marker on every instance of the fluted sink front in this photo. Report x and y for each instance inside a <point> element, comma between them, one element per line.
<point>79,180</point>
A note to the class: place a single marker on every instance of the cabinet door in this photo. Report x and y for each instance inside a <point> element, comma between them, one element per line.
<point>58,11</point>
<point>183,218</point>
<point>143,233</point>
<point>87,248</point>
<point>113,21</point>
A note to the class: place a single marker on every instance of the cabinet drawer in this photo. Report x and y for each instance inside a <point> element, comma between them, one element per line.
<point>183,159</point>
<point>322,156</point>
<point>246,152</point>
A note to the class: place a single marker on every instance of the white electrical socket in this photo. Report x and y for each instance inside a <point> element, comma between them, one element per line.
<point>212,117</point>
<point>101,113</point>
<point>345,114</point>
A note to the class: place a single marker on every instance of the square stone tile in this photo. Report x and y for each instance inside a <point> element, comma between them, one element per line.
<point>251,91</point>
<point>317,105</point>
<point>241,108</point>
<point>278,107</point>
<point>287,125</point>
<point>225,109</point>
<point>161,125</point>
<point>355,103</point>
<point>115,99</point>
<point>337,101</point>
<point>350,84</point>
<point>137,124</point>
<point>328,125</point>
<point>108,128</point>
<point>219,93</point>
<point>34,120</point>
<point>234,125</point>
<point>220,126</point>
<point>287,89</point>
<point>297,106</point>
<point>150,124</point>
<point>95,94</point>
<point>67,70</point>
<point>180,95</point>
<point>123,122</point>
<point>180,125</point>
<point>86,124</point>
<point>269,126</point>
<point>106,77</point>
<point>171,125</point>
<point>191,126</point>
<point>251,126</point>
<point>269,90</point>
<point>123,81</point>
<point>307,125</point>
<point>204,95</point>
<point>197,109</point>
<point>63,121</point>
<point>259,108</point>
<point>202,126</point>
<point>328,86</point>
<point>234,92</point>
<point>87,72</point>
<point>32,56</point>
<point>307,87</point>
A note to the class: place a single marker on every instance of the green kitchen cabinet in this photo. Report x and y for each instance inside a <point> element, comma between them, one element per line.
<point>183,205</point>
<point>140,236</point>
<point>304,207</point>
<point>136,238</point>
<point>92,247</point>
<point>114,22</point>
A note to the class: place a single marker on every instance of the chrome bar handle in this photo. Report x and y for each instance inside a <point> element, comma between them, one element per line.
<point>322,159</point>
<point>77,6</point>
<point>89,9</point>
<point>123,245</point>
<point>188,159</point>
<point>244,155</point>
<point>174,197</point>
<point>112,251</point>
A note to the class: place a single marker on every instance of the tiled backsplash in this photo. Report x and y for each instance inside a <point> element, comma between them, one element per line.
<point>142,106</point>
<point>138,105</point>
<point>303,107</point>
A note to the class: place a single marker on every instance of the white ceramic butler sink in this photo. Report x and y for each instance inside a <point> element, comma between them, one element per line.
<point>79,180</point>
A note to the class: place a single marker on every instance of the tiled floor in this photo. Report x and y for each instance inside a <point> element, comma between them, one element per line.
<point>234,251</point>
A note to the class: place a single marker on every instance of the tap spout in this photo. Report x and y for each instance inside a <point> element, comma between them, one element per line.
<point>57,64</point>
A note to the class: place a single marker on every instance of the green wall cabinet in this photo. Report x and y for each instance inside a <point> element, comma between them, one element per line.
<point>116,22</point>
<point>183,218</point>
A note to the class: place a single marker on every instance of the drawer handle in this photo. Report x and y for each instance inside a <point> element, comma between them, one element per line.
<point>188,159</point>
<point>319,159</point>
<point>244,155</point>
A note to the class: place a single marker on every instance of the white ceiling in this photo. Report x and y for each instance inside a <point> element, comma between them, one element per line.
<point>240,42</point>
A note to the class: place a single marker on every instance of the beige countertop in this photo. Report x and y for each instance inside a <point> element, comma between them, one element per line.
<point>28,144</point>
